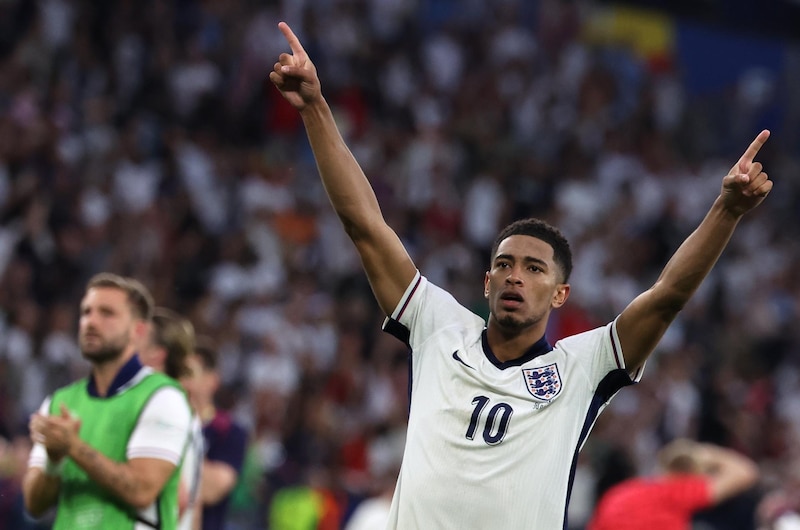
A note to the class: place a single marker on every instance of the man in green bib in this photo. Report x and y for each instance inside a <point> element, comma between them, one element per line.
<point>108,448</point>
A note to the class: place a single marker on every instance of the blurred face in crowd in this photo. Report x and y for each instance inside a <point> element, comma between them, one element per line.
<point>200,384</point>
<point>107,325</point>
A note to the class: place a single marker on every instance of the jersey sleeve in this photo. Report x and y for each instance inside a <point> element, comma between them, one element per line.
<point>38,456</point>
<point>599,353</point>
<point>163,427</point>
<point>424,310</point>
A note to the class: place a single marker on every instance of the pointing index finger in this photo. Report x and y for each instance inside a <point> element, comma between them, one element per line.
<point>752,150</point>
<point>291,38</point>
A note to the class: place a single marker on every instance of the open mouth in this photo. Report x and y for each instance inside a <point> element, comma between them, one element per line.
<point>511,300</point>
<point>511,296</point>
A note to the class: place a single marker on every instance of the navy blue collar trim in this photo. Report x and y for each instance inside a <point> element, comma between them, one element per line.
<point>540,347</point>
<point>123,377</point>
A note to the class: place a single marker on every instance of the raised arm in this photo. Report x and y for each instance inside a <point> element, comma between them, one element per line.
<point>729,472</point>
<point>642,324</point>
<point>385,260</point>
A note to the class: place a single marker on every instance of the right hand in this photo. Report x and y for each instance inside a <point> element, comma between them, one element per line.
<point>294,75</point>
<point>56,433</point>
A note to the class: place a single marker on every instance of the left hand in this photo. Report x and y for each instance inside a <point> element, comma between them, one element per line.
<point>746,185</point>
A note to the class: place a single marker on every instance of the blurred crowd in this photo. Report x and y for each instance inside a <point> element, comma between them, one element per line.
<point>144,138</point>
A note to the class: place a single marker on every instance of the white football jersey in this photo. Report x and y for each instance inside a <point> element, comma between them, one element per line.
<point>494,445</point>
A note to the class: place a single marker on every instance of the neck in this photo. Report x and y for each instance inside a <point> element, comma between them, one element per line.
<point>104,373</point>
<point>207,412</point>
<point>509,345</point>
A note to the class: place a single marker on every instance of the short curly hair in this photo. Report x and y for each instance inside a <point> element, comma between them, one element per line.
<point>562,253</point>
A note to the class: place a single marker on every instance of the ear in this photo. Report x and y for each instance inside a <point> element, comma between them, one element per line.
<point>214,382</point>
<point>561,295</point>
<point>140,333</point>
<point>486,285</point>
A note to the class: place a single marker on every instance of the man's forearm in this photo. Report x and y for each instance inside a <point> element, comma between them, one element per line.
<point>730,472</point>
<point>218,480</point>
<point>347,187</point>
<point>40,491</point>
<point>695,258</point>
<point>117,477</point>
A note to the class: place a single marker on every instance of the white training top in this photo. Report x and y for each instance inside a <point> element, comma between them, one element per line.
<point>493,445</point>
<point>191,472</point>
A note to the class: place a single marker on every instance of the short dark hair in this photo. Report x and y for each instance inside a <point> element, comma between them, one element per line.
<point>206,352</point>
<point>562,254</point>
<point>139,297</point>
<point>175,334</point>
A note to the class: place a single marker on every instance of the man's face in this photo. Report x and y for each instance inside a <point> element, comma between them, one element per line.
<point>523,285</point>
<point>106,324</point>
<point>199,383</point>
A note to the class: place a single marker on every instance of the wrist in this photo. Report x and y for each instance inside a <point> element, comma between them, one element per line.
<point>53,468</point>
<point>72,446</point>
<point>315,109</point>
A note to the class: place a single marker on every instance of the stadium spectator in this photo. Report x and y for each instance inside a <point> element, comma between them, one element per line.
<point>694,476</point>
<point>225,441</point>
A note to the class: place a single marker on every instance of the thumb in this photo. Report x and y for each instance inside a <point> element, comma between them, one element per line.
<point>75,421</point>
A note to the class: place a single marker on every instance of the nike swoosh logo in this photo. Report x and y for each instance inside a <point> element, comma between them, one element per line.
<point>457,358</point>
